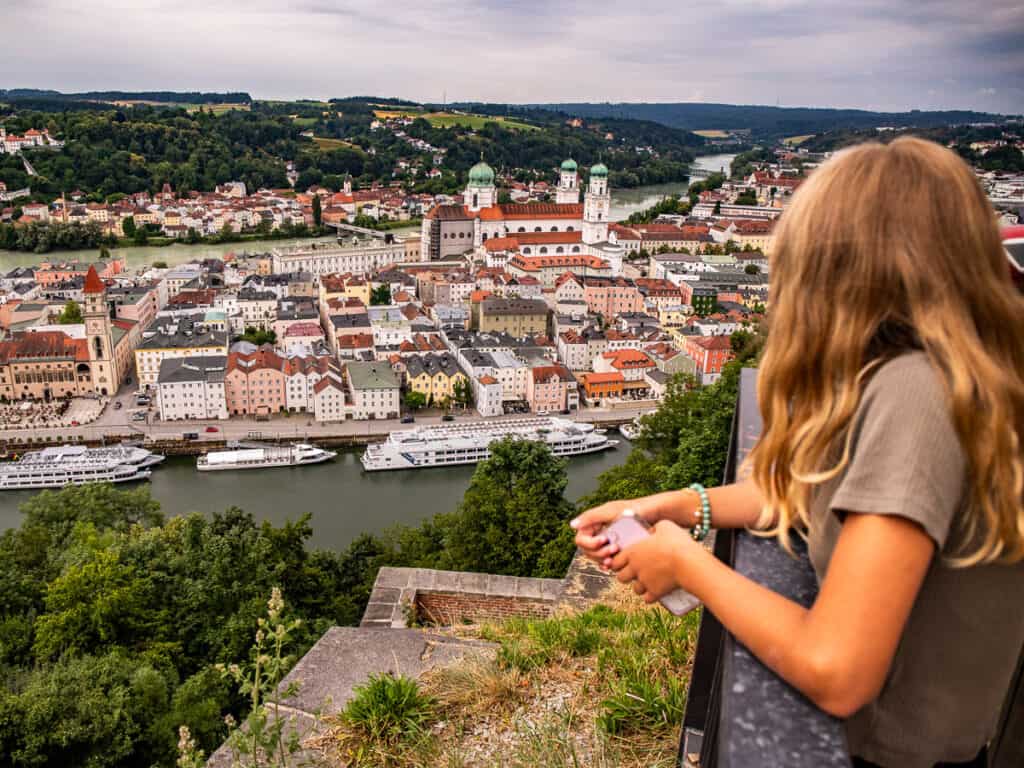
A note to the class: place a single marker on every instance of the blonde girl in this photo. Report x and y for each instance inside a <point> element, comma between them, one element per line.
<point>892,394</point>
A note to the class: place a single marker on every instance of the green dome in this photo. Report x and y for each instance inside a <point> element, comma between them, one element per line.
<point>569,165</point>
<point>481,175</point>
<point>599,170</point>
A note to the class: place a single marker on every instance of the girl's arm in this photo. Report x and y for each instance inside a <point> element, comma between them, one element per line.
<point>839,651</point>
<point>735,506</point>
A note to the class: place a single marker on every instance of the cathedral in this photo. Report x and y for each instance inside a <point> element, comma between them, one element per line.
<point>565,227</point>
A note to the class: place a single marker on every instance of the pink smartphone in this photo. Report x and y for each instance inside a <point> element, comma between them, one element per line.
<point>628,529</point>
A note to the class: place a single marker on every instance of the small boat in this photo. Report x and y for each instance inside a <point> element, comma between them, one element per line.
<point>631,430</point>
<point>263,457</point>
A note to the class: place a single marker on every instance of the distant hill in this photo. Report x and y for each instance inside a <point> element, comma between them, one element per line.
<point>169,97</point>
<point>765,121</point>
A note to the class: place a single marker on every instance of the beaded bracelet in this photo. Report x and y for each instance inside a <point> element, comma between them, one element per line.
<point>701,515</point>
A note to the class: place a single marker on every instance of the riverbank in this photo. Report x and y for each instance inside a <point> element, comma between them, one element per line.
<point>624,202</point>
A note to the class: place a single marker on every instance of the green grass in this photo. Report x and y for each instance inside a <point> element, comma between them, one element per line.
<point>794,141</point>
<point>328,144</point>
<point>449,119</point>
<point>619,677</point>
<point>388,710</point>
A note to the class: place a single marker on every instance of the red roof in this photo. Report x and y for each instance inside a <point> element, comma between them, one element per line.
<point>93,284</point>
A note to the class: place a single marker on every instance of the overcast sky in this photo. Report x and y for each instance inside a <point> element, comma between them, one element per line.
<point>872,54</point>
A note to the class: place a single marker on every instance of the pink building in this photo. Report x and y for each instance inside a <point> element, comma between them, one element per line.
<point>551,389</point>
<point>611,296</point>
<point>255,384</point>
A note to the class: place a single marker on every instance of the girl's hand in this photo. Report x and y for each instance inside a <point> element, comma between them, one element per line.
<point>590,525</point>
<point>656,565</point>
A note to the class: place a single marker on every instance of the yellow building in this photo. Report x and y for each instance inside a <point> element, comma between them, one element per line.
<point>673,316</point>
<point>344,287</point>
<point>516,317</point>
<point>434,376</point>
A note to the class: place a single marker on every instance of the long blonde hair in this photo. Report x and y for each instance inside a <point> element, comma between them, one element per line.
<point>887,247</point>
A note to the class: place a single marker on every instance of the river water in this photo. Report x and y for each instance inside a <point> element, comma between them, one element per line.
<point>624,202</point>
<point>343,500</point>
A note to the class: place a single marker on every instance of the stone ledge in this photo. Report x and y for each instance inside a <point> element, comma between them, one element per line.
<point>396,593</point>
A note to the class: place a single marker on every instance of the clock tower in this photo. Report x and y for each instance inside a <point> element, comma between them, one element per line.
<point>97,332</point>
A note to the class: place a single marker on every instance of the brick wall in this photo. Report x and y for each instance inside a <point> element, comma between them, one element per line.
<point>448,608</point>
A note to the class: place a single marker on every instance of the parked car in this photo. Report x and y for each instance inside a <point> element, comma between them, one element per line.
<point>117,405</point>
<point>447,417</point>
<point>75,424</point>
<point>138,416</point>
<point>191,435</point>
<point>212,429</point>
<point>408,419</point>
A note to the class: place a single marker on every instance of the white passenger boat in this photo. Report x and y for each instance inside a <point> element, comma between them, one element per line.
<point>468,443</point>
<point>77,464</point>
<point>263,457</point>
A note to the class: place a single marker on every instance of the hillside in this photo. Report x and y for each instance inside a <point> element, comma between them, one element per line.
<point>120,143</point>
<point>765,121</point>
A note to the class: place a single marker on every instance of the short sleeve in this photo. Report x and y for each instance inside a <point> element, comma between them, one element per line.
<point>906,458</point>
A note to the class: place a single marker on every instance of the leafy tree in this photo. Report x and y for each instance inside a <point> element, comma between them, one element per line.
<point>72,314</point>
<point>746,198</point>
<point>128,226</point>
<point>104,253</point>
<point>317,212</point>
<point>258,336</point>
<point>462,393</point>
<point>415,401</point>
<point>718,208</point>
<point>160,264</point>
<point>514,514</point>
<point>381,295</point>
<point>752,269</point>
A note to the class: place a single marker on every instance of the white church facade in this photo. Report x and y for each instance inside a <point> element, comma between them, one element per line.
<point>500,231</point>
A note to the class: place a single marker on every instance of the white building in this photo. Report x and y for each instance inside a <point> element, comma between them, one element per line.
<point>375,390</point>
<point>328,400</point>
<point>192,388</point>
<point>487,394</point>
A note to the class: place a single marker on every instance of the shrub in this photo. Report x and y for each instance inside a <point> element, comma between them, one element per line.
<point>388,709</point>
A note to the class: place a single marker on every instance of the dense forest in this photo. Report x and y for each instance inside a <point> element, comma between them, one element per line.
<point>765,121</point>
<point>120,150</point>
<point>113,617</point>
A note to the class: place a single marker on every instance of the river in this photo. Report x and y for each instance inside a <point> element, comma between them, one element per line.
<point>624,202</point>
<point>343,500</point>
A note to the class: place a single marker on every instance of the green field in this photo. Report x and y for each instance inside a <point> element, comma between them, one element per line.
<point>448,119</point>
<point>795,141</point>
<point>328,144</point>
<point>215,108</point>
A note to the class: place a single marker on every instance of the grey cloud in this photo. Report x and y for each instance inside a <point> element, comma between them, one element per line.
<point>888,54</point>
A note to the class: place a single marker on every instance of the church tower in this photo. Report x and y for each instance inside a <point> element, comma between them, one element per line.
<point>98,334</point>
<point>568,184</point>
<point>481,192</point>
<point>597,205</point>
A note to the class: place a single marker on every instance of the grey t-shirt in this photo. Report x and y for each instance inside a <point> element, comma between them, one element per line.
<point>943,695</point>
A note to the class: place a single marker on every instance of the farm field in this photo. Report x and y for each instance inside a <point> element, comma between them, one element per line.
<point>794,141</point>
<point>448,119</point>
<point>712,133</point>
<point>215,108</point>
<point>327,143</point>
